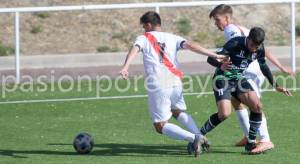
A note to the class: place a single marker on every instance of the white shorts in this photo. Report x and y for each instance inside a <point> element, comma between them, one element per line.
<point>255,77</point>
<point>161,101</point>
<point>256,82</point>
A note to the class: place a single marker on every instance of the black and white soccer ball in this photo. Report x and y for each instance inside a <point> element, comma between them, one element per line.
<point>83,143</point>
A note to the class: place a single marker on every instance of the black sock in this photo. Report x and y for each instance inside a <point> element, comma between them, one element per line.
<point>255,121</point>
<point>210,124</point>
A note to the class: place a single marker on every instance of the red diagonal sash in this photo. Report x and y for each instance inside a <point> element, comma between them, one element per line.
<point>171,67</point>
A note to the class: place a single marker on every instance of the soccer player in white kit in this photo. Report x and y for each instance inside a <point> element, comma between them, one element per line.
<point>222,15</point>
<point>163,79</point>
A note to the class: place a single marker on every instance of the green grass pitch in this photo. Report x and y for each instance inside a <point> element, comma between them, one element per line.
<point>43,132</point>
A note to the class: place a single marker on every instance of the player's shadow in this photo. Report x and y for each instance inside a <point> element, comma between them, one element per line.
<point>115,149</point>
<point>11,153</point>
<point>112,149</point>
<point>23,153</point>
<point>108,149</point>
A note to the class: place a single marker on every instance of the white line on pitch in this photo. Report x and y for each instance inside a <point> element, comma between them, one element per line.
<point>107,97</point>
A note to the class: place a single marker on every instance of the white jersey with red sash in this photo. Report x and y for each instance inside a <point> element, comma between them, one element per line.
<point>163,77</point>
<point>160,58</point>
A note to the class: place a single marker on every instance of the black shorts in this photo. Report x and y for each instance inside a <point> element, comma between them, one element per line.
<point>225,89</point>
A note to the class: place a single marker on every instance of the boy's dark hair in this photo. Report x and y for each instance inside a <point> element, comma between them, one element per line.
<point>150,17</point>
<point>257,35</point>
<point>221,9</point>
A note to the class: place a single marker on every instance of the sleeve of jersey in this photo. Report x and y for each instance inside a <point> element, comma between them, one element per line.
<point>214,62</point>
<point>229,46</point>
<point>231,32</point>
<point>266,71</point>
<point>179,42</point>
<point>140,42</point>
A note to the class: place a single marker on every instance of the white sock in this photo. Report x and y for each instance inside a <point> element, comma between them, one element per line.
<point>263,130</point>
<point>187,121</point>
<point>243,118</point>
<point>176,132</point>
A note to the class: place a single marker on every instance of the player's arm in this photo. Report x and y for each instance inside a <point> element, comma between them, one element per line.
<point>275,61</point>
<point>129,58</point>
<point>268,74</point>
<point>214,62</point>
<point>224,65</point>
<point>195,47</point>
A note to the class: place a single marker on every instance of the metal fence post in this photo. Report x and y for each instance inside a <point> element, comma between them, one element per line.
<point>17,46</point>
<point>293,33</point>
<point>157,9</point>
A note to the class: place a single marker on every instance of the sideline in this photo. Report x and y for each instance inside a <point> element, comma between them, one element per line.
<point>111,97</point>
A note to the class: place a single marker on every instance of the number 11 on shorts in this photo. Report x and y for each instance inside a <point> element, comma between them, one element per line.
<point>220,91</point>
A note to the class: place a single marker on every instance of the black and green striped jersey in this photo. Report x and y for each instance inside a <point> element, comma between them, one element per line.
<point>240,57</point>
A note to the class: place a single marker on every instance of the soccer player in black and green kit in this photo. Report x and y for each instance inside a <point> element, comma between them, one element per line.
<point>227,83</point>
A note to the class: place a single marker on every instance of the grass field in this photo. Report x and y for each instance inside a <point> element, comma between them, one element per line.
<point>43,132</point>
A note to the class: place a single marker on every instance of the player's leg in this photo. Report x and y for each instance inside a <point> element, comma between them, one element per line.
<point>256,79</point>
<point>253,102</point>
<point>159,105</point>
<point>263,130</point>
<point>222,93</point>
<point>173,131</point>
<point>243,117</point>
<point>186,120</point>
<point>224,110</point>
<point>178,107</point>
<point>265,143</point>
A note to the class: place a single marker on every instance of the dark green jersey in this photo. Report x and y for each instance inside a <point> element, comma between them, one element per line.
<point>240,57</point>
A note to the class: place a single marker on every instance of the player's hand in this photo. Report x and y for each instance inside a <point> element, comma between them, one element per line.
<point>124,73</point>
<point>289,71</point>
<point>221,57</point>
<point>226,66</point>
<point>284,91</point>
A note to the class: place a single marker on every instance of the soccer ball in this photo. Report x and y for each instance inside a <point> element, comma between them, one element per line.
<point>83,143</point>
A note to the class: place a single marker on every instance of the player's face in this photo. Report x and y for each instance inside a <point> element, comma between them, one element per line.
<point>252,47</point>
<point>148,27</point>
<point>221,21</point>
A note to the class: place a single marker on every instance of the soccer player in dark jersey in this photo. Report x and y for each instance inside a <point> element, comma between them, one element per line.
<point>241,51</point>
<point>222,17</point>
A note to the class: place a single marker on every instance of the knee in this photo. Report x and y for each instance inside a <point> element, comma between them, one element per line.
<point>238,107</point>
<point>224,115</point>
<point>257,107</point>
<point>159,126</point>
<point>176,113</point>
